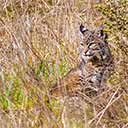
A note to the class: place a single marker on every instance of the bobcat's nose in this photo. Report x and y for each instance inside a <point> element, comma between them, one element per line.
<point>87,53</point>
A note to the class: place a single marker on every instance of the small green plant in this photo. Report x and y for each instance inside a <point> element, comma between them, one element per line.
<point>4,103</point>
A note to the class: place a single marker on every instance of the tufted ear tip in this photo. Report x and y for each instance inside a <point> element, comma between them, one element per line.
<point>101,32</point>
<point>83,29</point>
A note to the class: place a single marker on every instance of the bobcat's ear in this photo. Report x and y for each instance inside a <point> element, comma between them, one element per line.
<point>83,29</point>
<point>101,32</point>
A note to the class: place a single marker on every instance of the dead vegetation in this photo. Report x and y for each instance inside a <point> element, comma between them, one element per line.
<point>38,45</point>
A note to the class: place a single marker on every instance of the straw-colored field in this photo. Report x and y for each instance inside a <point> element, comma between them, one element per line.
<point>38,45</point>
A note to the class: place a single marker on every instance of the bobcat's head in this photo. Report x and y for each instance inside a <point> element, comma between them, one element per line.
<point>93,44</point>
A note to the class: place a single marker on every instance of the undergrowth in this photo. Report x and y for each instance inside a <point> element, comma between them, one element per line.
<point>38,46</point>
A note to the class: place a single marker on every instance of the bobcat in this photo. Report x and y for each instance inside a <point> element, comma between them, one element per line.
<point>87,78</point>
<point>96,63</point>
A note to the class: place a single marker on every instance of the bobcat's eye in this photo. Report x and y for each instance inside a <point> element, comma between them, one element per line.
<point>81,43</point>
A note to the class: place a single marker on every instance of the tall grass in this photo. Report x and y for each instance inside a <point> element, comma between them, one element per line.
<point>38,46</point>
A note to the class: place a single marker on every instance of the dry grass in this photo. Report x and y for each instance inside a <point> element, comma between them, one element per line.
<point>38,45</point>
